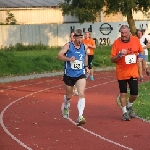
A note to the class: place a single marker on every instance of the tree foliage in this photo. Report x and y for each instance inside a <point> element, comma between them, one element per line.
<point>87,10</point>
<point>84,10</point>
<point>125,6</point>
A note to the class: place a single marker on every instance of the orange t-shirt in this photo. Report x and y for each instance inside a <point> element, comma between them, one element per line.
<point>125,70</point>
<point>90,41</point>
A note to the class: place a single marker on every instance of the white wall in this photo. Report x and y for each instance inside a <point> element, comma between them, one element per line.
<point>105,33</point>
<point>28,34</point>
<point>9,35</point>
<point>58,35</point>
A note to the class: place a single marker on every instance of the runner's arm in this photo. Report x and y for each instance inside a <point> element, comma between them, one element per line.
<point>86,57</point>
<point>93,45</point>
<point>146,46</point>
<point>141,52</point>
<point>62,52</point>
<point>115,59</point>
<point>114,55</point>
<point>86,60</point>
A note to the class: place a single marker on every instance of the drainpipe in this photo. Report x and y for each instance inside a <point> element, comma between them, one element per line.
<point>101,16</point>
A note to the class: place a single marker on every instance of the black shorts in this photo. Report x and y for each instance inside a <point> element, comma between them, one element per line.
<point>133,85</point>
<point>70,81</point>
<point>90,60</point>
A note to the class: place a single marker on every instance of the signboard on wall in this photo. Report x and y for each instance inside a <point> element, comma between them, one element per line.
<point>102,32</point>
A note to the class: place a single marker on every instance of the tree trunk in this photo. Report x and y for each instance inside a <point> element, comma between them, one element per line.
<point>131,23</point>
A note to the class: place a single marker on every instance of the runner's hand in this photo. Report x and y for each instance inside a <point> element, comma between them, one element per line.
<point>89,45</point>
<point>124,51</point>
<point>87,70</point>
<point>72,59</point>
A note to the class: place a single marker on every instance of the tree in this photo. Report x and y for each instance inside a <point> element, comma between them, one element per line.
<point>87,10</point>
<point>84,10</point>
<point>127,7</point>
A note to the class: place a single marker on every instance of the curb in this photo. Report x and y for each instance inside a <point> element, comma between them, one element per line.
<point>28,77</point>
<point>34,76</point>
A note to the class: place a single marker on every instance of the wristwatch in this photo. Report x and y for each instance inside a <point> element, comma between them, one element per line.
<point>120,54</point>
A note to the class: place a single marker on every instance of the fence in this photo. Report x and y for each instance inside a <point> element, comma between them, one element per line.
<point>58,34</point>
<point>28,34</point>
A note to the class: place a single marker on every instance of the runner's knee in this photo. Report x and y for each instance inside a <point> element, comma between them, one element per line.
<point>81,94</point>
<point>69,96</point>
<point>133,97</point>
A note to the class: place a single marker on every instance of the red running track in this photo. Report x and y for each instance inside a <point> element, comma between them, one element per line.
<point>31,117</point>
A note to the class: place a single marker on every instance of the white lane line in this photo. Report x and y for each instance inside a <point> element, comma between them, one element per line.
<point>24,85</point>
<point>25,146</point>
<point>101,137</point>
<point>2,114</point>
<point>97,135</point>
<point>100,84</point>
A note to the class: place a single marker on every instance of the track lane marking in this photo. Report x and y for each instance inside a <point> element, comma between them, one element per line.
<point>84,129</point>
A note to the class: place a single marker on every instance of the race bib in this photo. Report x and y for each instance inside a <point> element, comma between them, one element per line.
<point>88,50</point>
<point>76,64</point>
<point>130,59</point>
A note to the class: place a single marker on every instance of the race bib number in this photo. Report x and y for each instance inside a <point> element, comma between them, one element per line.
<point>76,64</point>
<point>88,50</point>
<point>130,59</point>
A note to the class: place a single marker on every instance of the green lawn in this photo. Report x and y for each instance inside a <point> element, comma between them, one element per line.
<point>28,60</point>
<point>142,104</point>
<point>23,60</point>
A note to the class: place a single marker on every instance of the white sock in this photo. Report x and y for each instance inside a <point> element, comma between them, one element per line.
<point>124,110</point>
<point>81,106</point>
<point>66,102</point>
<point>129,104</point>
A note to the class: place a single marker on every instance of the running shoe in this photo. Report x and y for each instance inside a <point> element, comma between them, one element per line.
<point>148,73</point>
<point>126,117</point>
<point>131,112</point>
<point>65,111</point>
<point>141,78</point>
<point>91,78</point>
<point>81,121</point>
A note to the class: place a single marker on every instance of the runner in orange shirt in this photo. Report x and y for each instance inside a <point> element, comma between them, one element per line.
<point>91,46</point>
<point>126,52</point>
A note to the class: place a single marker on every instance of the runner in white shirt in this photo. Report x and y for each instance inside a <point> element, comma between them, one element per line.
<point>145,44</point>
<point>145,35</point>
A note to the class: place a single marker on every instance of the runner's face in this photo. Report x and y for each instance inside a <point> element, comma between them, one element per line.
<point>72,36</point>
<point>78,40</point>
<point>125,34</point>
<point>139,34</point>
<point>86,35</point>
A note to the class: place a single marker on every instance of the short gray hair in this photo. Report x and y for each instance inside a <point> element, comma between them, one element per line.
<point>78,32</point>
<point>124,27</point>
